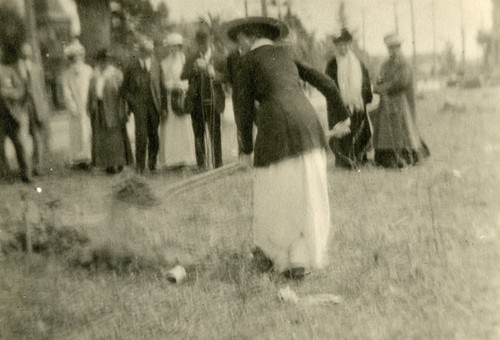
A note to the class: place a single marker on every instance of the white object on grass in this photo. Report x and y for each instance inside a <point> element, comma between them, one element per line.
<point>288,295</point>
<point>176,274</point>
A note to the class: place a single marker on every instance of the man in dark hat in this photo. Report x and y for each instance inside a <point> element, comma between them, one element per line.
<point>145,94</point>
<point>205,98</point>
<point>353,80</point>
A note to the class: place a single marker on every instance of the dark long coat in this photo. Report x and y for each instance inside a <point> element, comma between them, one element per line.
<point>199,88</point>
<point>287,122</point>
<point>131,87</point>
<point>350,150</point>
<point>396,136</point>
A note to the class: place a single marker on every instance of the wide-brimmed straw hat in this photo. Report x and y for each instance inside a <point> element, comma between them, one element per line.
<point>273,29</point>
<point>392,39</point>
<point>74,48</point>
<point>343,36</point>
<point>173,39</point>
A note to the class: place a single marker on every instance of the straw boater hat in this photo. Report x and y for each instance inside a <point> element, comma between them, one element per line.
<point>343,36</point>
<point>173,39</point>
<point>392,39</point>
<point>74,48</point>
<point>274,29</point>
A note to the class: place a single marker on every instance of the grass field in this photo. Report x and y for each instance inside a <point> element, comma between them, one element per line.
<point>414,254</point>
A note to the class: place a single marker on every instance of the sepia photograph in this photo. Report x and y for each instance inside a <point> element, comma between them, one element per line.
<point>249,169</point>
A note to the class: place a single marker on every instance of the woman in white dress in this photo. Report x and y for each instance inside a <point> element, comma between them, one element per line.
<point>176,131</point>
<point>76,80</point>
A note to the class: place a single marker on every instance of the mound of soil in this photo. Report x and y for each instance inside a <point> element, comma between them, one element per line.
<point>137,192</point>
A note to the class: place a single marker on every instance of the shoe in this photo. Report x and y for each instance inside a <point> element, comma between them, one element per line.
<point>295,273</point>
<point>26,179</point>
<point>261,262</point>
<point>37,172</point>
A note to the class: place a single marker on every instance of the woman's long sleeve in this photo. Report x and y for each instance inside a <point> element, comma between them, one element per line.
<point>336,109</point>
<point>245,120</point>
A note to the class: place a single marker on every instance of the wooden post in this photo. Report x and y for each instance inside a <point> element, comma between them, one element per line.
<point>412,11</point>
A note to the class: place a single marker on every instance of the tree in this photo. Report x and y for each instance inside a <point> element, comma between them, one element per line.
<point>12,33</point>
<point>342,15</point>
<point>95,20</point>
<point>131,19</point>
<point>140,18</point>
<point>303,45</point>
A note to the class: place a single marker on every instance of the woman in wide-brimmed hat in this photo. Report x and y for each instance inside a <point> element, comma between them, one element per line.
<point>176,131</point>
<point>396,137</point>
<point>291,212</point>
<point>110,143</point>
<point>76,81</point>
<point>353,81</point>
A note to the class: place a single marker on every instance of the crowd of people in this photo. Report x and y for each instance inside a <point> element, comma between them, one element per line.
<point>176,102</point>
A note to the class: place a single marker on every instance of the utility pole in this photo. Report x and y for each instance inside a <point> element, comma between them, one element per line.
<point>412,12</point>
<point>434,44</point>
<point>246,8</point>
<point>30,19</point>
<point>263,5</point>
<point>462,31</point>
<point>396,19</point>
<point>363,27</point>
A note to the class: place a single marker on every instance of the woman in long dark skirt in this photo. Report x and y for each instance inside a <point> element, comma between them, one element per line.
<point>396,138</point>
<point>110,143</point>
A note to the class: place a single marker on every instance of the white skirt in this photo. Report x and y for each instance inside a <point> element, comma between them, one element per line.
<point>80,137</point>
<point>291,219</point>
<point>177,141</point>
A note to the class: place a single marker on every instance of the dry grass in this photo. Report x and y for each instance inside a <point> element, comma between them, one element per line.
<point>415,254</point>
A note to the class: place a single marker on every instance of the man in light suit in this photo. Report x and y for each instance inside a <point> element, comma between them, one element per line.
<point>145,94</point>
<point>32,75</point>
<point>14,117</point>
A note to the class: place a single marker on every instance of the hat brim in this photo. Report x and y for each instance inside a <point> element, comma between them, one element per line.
<point>392,40</point>
<point>345,36</point>
<point>275,29</point>
<point>393,44</point>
